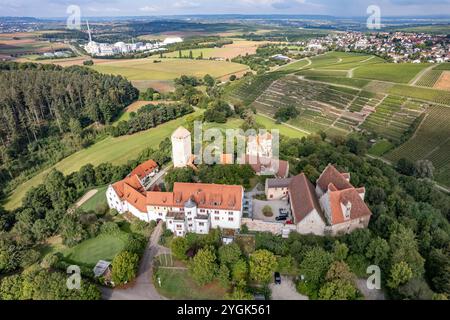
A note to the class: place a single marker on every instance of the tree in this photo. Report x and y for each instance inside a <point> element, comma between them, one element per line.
<point>267,211</point>
<point>239,270</point>
<point>285,113</point>
<point>224,276</point>
<point>239,294</point>
<point>404,248</point>
<point>400,274</point>
<point>378,251</point>
<point>179,247</point>
<point>208,80</point>
<point>337,290</point>
<point>340,251</point>
<point>339,270</point>
<point>424,169</point>
<point>229,254</point>
<point>203,266</point>
<point>262,265</point>
<point>406,167</point>
<point>315,266</point>
<point>233,77</point>
<point>124,267</point>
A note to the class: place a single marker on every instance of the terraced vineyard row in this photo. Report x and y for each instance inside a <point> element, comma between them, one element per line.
<point>429,78</point>
<point>248,89</point>
<point>431,141</point>
<point>393,117</point>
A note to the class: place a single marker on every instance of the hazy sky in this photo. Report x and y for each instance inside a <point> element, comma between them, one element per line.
<point>57,8</point>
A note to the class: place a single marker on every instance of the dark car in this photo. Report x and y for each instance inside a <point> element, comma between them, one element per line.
<point>283,211</point>
<point>277,277</point>
<point>281,218</point>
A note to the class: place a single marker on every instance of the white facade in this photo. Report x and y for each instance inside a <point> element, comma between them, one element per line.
<point>181,148</point>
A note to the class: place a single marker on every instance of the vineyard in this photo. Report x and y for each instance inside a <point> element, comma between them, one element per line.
<point>431,141</point>
<point>429,79</point>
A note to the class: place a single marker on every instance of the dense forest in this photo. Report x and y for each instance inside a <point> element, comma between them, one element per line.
<point>41,105</point>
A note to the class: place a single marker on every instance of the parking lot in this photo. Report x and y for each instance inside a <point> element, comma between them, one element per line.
<point>258,206</point>
<point>286,290</point>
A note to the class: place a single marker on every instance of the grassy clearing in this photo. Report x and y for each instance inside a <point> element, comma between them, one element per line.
<point>380,148</point>
<point>178,285</point>
<point>391,72</point>
<point>102,247</point>
<point>98,199</point>
<point>169,69</point>
<point>295,66</point>
<point>284,130</point>
<point>114,150</point>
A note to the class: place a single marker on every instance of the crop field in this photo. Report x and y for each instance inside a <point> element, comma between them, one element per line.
<point>437,96</point>
<point>431,141</point>
<point>295,66</point>
<point>390,72</point>
<point>443,83</point>
<point>229,51</point>
<point>358,83</point>
<point>430,78</point>
<point>443,66</point>
<point>169,69</point>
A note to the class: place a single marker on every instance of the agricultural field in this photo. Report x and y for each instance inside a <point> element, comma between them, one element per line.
<point>431,141</point>
<point>114,150</point>
<point>443,83</point>
<point>429,79</point>
<point>18,44</point>
<point>433,95</point>
<point>169,69</point>
<point>380,148</point>
<point>229,51</point>
<point>390,72</point>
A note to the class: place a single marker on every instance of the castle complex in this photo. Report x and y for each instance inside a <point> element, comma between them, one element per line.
<point>334,206</point>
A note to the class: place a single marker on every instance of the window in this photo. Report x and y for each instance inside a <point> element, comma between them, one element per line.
<point>179,227</point>
<point>202,210</point>
<point>271,196</point>
<point>217,218</point>
<point>230,213</point>
<point>230,219</point>
<point>190,225</point>
<point>170,221</point>
<point>189,219</point>
<point>216,212</point>
<point>160,214</point>
<point>201,224</point>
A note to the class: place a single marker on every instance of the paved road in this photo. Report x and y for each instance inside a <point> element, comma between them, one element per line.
<point>143,288</point>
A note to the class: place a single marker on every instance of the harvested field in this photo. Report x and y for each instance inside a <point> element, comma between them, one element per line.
<point>443,82</point>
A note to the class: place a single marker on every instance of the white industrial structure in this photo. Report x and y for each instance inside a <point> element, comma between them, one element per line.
<point>106,49</point>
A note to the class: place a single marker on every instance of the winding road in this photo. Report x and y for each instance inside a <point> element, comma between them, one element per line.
<point>143,288</point>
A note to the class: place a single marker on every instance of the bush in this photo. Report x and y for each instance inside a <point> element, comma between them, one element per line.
<point>267,211</point>
<point>110,228</point>
<point>124,267</point>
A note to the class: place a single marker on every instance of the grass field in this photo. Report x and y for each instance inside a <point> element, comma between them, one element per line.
<point>98,199</point>
<point>169,69</point>
<point>102,247</point>
<point>178,285</point>
<point>390,72</point>
<point>114,150</point>
<point>284,129</point>
<point>380,148</point>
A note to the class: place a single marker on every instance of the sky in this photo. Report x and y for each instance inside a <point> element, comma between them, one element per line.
<point>99,8</point>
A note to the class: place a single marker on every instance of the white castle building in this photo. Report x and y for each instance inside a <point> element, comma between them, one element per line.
<point>181,148</point>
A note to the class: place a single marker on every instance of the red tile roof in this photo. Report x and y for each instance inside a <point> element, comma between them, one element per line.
<point>303,198</point>
<point>131,181</point>
<point>144,169</point>
<point>135,198</point>
<point>332,175</point>
<point>358,210</point>
<point>259,166</point>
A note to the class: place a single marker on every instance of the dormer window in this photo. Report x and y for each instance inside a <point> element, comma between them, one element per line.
<point>348,210</point>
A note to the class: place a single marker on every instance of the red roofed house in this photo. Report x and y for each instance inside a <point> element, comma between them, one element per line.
<point>191,207</point>
<point>333,207</point>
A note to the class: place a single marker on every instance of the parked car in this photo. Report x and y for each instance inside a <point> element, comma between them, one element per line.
<point>281,218</point>
<point>277,277</point>
<point>283,211</point>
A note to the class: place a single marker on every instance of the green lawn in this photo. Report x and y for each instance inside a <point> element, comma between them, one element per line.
<point>284,130</point>
<point>380,148</point>
<point>102,247</point>
<point>98,199</point>
<point>169,69</point>
<point>392,72</point>
<point>178,285</point>
<point>114,150</point>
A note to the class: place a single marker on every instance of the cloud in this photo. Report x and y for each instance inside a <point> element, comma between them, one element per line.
<point>185,4</point>
<point>149,9</point>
